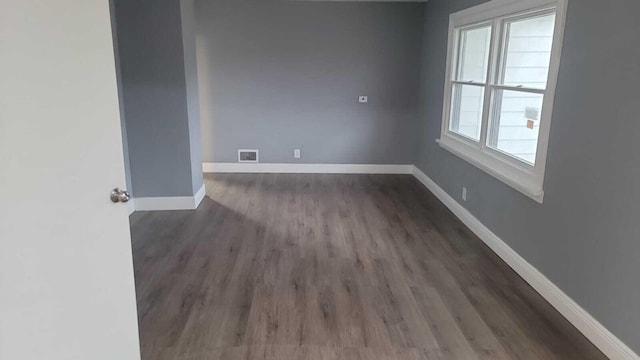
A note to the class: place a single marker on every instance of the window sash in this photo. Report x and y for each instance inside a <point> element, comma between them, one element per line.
<point>513,172</point>
<point>493,128</point>
<point>460,46</point>
<point>456,108</point>
<point>503,23</point>
<point>519,175</point>
<point>495,71</point>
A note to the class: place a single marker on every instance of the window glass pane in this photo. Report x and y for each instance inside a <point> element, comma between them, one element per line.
<point>473,56</point>
<point>528,51</point>
<point>466,110</point>
<point>515,123</point>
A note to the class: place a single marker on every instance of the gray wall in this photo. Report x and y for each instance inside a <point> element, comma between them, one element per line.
<point>586,235</point>
<point>155,93</point>
<point>283,75</point>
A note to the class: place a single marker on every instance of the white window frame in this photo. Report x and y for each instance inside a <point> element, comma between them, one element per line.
<point>524,177</point>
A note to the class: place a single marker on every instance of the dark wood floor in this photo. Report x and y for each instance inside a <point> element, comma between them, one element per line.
<point>276,266</point>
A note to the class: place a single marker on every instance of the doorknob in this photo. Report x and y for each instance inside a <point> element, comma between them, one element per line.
<point>118,195</point>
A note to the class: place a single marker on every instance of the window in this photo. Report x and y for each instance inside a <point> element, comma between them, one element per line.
<point>502,67</point>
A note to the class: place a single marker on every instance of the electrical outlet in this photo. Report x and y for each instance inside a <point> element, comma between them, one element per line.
<point>464,193</point>
<point>363,99</point>
<point>296,153</point>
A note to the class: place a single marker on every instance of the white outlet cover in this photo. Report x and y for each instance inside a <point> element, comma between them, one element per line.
<point>296,153</point>
<point>363,99</point>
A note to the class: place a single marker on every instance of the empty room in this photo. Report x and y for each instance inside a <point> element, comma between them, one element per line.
<point>319,179</point>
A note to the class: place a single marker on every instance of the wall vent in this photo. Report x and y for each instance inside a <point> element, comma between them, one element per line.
<point>248,155</point>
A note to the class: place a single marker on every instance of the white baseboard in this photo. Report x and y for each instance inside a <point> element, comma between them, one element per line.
<point>600,336</point>
<point>131,206</point>
<point>198,196</point>
<point>306,168</point>
<point>170,202</point>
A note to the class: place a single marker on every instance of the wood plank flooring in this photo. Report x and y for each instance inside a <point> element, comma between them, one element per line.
<point>320,266</point>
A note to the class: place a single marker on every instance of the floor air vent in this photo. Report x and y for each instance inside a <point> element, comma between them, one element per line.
<point>248,155</point>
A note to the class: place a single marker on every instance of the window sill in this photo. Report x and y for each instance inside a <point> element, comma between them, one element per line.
<point>521,180</point>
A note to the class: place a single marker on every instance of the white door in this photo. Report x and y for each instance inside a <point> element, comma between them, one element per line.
<point>66,273</point>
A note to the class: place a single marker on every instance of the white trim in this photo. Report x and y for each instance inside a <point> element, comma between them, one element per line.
<point>507,173</point>
<point>498,8</point>
<point>170,202</point>
<point>593,330</point>
<point>165,203</point>
<point>199,196</point>
<point>526,178</point>
<point>306,168</point>
<point>131,206</point>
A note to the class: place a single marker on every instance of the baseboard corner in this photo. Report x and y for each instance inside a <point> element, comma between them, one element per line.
<point>591,328</point>
<point>166,203</point>
<point>199,196</point>
<point>131,206</point>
